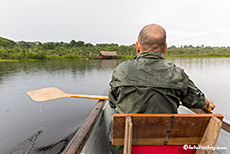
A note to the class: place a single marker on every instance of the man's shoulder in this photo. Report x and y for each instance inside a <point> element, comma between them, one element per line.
<point>125,64</point>
<point>174,66</point>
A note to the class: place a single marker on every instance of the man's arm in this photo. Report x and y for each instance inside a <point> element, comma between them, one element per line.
<point>194,98</point>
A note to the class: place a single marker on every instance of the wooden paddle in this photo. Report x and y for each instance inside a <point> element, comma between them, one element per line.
<point>46,94</point>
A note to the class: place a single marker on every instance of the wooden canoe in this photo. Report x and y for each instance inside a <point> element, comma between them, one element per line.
<point>92,136</point>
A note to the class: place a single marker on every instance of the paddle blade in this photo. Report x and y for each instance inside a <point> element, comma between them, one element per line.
<point>46,94</point>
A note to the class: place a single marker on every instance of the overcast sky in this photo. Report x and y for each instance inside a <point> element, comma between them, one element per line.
<point>194,22</point>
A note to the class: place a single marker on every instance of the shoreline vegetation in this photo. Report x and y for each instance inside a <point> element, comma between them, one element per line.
<point>36,51</point>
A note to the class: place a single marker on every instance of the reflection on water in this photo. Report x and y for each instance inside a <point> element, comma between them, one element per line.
<point>32,127</point>
<point>11,68</point>
<point>56,120</point>
<point>28,145</point>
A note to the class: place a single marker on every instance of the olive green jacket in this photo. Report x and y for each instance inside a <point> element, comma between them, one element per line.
<point>149,84</point>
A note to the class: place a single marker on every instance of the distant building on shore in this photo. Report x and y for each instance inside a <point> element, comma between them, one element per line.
<point>108,54</point>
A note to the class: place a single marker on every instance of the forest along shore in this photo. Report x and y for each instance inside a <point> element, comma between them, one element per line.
<point>22,50</point>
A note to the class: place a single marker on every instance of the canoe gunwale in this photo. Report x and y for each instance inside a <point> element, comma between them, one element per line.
<point>78,142</point>
<point>225,125</point>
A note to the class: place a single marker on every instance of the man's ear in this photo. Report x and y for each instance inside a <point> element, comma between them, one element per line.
<point>138,48</point>
<point>165,48</point>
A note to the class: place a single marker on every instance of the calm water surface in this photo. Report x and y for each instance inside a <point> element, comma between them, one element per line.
<point>29,127</point>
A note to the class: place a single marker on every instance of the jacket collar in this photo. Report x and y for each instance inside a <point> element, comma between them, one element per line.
<point>150,55</point>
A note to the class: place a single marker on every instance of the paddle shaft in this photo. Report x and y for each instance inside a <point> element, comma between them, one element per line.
<point>106,98</point>
<point>90,96</point>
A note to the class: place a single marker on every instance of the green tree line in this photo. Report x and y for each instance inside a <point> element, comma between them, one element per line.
<point>22,50</point>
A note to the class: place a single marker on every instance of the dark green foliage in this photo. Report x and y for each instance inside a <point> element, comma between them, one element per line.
<point>76,50</point>
<point>49,45</point>
<point>7,43</point>
<point>24,45</point>
<point>88,45</point>
<point>199,51</point>
<point>72,43</point>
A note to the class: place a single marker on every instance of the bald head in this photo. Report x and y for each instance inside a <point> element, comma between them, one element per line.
<point>152,38</point>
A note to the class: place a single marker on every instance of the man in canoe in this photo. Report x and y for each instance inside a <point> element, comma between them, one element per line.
<point>149,84</point>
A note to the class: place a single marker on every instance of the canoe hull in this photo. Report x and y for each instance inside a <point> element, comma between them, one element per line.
<point>97,142</point>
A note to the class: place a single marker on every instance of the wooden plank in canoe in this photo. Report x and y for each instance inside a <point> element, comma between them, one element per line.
<point>159,129</point>
<point>210,136</point>
<point>143,123</point>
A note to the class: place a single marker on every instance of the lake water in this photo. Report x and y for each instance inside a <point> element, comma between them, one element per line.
<point>30,127</point>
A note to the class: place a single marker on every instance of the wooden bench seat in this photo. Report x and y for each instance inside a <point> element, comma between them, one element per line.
<point>165,129</point>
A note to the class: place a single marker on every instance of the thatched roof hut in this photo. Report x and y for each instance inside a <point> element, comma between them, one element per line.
<point>108,54</point>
